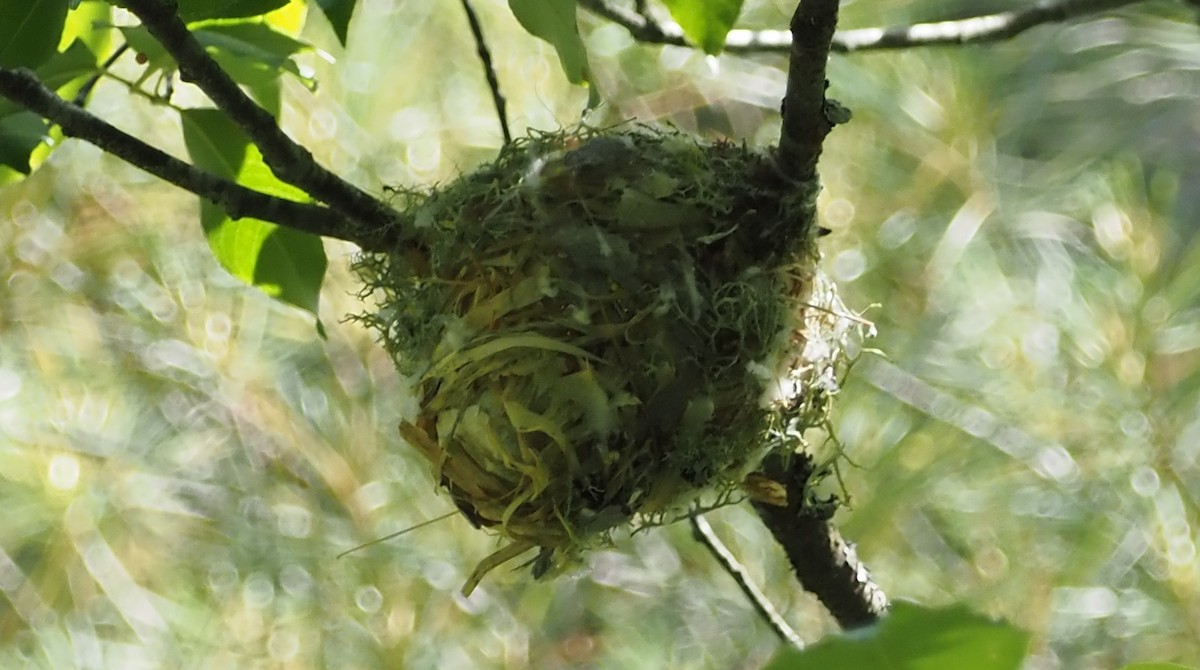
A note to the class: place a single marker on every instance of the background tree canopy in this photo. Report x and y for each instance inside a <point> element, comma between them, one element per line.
<point>182,457</point>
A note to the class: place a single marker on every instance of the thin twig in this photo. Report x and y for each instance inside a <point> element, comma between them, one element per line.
<point>85,91</point>
<point>287,159</point>
<point>972,30</point>
<point>826,565</point>
<point>22,87</point>
<point>488,69</point>
<point>704,533</point>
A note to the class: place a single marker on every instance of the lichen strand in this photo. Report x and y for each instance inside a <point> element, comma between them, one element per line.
<point>599,333</point>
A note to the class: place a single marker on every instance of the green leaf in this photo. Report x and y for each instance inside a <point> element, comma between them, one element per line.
<point>197,10</point>
<point>338,12</point>
<point>65,73</point>
<point>262,82</point>
<point>705,22</point>
<point>63,68</point>
<point>555,22</point>
<point>253,40</point>
<point>1157,666</point>
<point>20,133</point>
<point>911,637</point>
<point>214,143</point>
<point>251,52</point>
<point>90,23</point>
<point>30,31</point>
<point>286,264</point>
<point>291,267</point>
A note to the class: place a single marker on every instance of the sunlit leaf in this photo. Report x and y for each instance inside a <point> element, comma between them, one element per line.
<point>555,22</point>
<point>213,142</point>
<point>90,23</point>
<point>30,31</point>
<point>288,19</point>
<point>705,22</point>
<point>196,10</point>
<point>287,265</point>
<point>911,637</point>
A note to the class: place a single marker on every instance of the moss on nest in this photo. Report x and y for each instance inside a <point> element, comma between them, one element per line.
<point>601,331</point>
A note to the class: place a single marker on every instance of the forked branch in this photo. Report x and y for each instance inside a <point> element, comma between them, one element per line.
<point>287,159</point>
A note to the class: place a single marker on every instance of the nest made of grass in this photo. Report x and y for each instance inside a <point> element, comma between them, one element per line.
<point>601,329</point>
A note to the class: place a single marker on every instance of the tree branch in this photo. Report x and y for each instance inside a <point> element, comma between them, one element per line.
<point>807,115</point>
<point>705,534</point>
<point>825,564</point>
<point>22,87</point>
<point>287,159</point>
<point>972,30</point>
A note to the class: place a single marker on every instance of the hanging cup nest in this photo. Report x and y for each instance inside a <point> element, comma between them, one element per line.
<point>603,326</point>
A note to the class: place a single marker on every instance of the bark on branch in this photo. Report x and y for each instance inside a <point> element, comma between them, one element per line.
<point>23,88</point>
<point>826,565</point>
<point>287,159</point>
<point>807,115</point>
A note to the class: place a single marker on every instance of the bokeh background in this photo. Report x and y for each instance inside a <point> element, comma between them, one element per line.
<point>182,459</point>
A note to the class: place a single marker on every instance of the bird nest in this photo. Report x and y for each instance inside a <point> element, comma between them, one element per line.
<point>604,326</point>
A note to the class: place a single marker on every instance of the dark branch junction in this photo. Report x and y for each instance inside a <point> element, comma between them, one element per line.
<point>287,159</point>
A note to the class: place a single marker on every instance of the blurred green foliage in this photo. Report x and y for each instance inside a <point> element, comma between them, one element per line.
<point>912,637</point>
<point>181,459</point>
